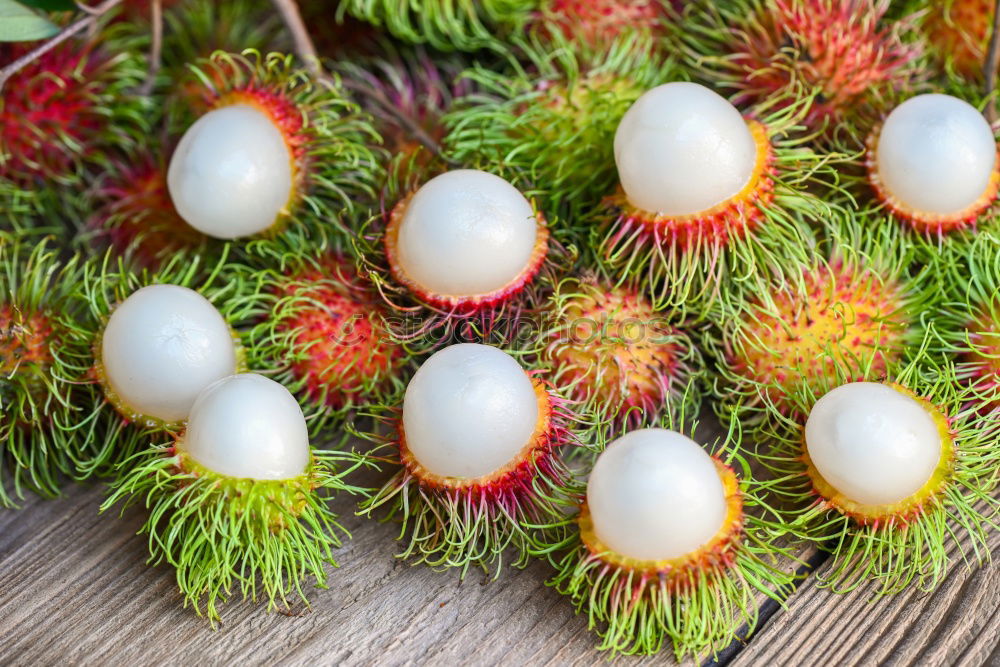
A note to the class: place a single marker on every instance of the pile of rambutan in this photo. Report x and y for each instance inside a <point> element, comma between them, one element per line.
<point>660,293</point>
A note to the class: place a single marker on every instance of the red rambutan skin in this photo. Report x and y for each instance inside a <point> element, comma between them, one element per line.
<point>138,215</point>
<point>48,117</point>
<point>463,305</point>
<point>506,488</point>
<point>24,341</point>
<point>840,49</point>
<point>601,21</point>
<point>734,218</point>
<point>611,345</point>
<point>345,346</point>
<point>845,317</point>
<point>983,362</point>
<point>959,30</point>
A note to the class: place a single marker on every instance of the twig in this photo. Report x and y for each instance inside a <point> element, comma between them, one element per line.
<point>408,123</point>
<point>64,34</point>
<point>304,46</point>
<point>156,16</point>
<point>992,64</point>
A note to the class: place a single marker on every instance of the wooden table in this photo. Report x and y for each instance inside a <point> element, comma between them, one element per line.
<point>75,589</point>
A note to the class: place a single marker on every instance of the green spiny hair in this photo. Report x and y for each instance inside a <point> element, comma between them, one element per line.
<point>310,323</point>
<point>447,25</point>
<point>911,546</point>
<point>224,535</point>
<point>104,282</point>
<point>336,166</point>
<point>447,527</point>
<point>688,265</point>
<point>42,403</point>
<point>554,115</point>
<point>860,299</point>
<point>701,612</point>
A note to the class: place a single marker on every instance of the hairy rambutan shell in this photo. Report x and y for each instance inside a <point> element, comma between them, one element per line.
<point>959,30</point>
<point>655,495</point>
<point>682,149</point>
<point>601,21</point>
<point>872,443</point>
<point>160,348</point>
<point>469,410</point>
<point>466,233</point>
<point>935,156</point>
<point>24,341</point>
<point>247,426</point>
<point>232,173</point>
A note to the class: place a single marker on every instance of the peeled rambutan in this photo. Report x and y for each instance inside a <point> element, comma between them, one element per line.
<point>319,330</point>
<point>610,350</point>
<point>64,109</point>
<point>779,51</point>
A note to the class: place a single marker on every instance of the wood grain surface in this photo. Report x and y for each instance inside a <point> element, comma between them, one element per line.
<point>75,590</point>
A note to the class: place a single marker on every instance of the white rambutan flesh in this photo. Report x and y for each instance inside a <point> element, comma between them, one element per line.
<point>161,347</point>
<point>469,410</point>
<point>466,233</point>
<point>872,443</point>
<point>682,149</point>
<point>231,175</point>
<point>936,154</point>
<point>248,426</point>
<point>655,494</point>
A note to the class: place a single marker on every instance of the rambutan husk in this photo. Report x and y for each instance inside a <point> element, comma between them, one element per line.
<point>554,116</point>
<point>408,92</point>
<point>841,52</point>
<point>923,222</point>
<point>260,537</point>
<point>63,112</point>
<point>424,320</point>
<point>597,23</point>
<point>46,420</point>
<point>309,322</point>
<point>453,522</point>
<point>958,33</point>
<point>699,602</point>
<point>447,25</point>
<point>907,543</point>
<point>335,169</point>
<point>690,262</point>
<point>969,321</point>
<point>854,308</point>
<point>104,282</point>
<point>617,357</point>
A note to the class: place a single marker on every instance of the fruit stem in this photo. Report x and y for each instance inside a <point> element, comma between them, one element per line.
<point>992,64</point>
<point>156,18</point>
<point>304,46</point>
<point>93,13</point>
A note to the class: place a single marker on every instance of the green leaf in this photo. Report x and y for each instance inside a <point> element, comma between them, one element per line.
<point>20,24</point>
<point>51,5</point>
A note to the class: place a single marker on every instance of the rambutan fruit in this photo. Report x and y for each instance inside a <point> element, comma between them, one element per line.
<point>134,215</point>
<point>301,146</point>
<point>407,92</point>
<point>559,111</point>
<point>316,328</point>
<point>447,25</point>
<point>147,343</point>
<point>611,351</point>
<point>600,22</point>
<point>478,439</point>
<point>933,163</point>
<point>460,253</point>
<point>855,307</point>
<point>708,198</point>
<point>958,32</point>
<point>238,500</point>
<point>40,407</point>
<point>838,52</point>
<point>887,473</point>
<point>65,109</point>
<point>666,545</point>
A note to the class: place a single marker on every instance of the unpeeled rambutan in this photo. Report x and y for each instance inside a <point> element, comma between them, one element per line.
<point>774,52</point>
<point>958,31</point>
<point>597,22</point>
